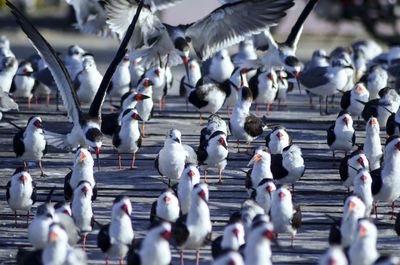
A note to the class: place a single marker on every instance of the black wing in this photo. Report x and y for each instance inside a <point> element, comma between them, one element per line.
<point>196,97</point>
<point>331,137</point>
<point>335,237</point>
<point>370,109</point>
<point>153,212</point>
<point>202,152</point>
<point>182,89</point>
<point>353,138</point>
<point>345,101</point>
<point>8,190</point>
<point>296,219</point>
<point>397,224</point>
<point>277,169</point>
<point>343,168</point>
<point>95,190</point>
<point>134,257</point>
<point>116,139</point>
<point>67,187</point>
<point>391,125</point>
<point>18,143</point>
<point>314,77</point>
<point>103,238</point>
<point>253,125</point>
<point>253,85</point>
<point>27,257</point>
<point>216,248</point>
<point>109,123</point>
<point>376,180</point>
<point>248,182</point>
<point>267,139</point>
<point>179,232</point>
<point>34,192</point>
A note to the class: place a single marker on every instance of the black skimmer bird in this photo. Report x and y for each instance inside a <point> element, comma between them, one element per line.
<point>121,81</point>
<point>136,69</point>
<point>116,238</point>
<point>362,187</point>
<point>194,229</point>
<point>284,86</point>
<point>215,123</point>
<point>263,194</point>
<point>341,135</point>
<point>231,240</point>
<point>385,182</point>
<point>164,40</point>
<point>397,224</point>
<point>63,207</point>
<point>8,68</point>
<point>165,208</point>
<point>375,79</point>
<point>170,161</point>
<point>372,144</point>
<point>277,140</point>
<point>39,227</point>
<point>21,193</point>
<point>248,211</point>
<point>363,248</point>
<point>82,171</point>
<point>30,143</point>
<point>242,124</point>
<point>258,244</point>
<point>350,165</point>
<point>145,107</point>
<point>127,137</point>
<point>326,81</point>
<point>359,60</point>
<point>86,130</point>
<point>393,124</point>
<point>264,87</point>
<point>82,211</point>
<point>231,86</point>
<point>190,176</point>
<point>73,60</point>
<point>261,169</point>
<point>288,167</point>
<point>157,77</point>
<point>154,249</point>
<point>383,107</point>
<point>333,256</point>
<point>352,101</point>
<point>24,86</point>
<point>285,216</point>
<point>189,80</point>
<point>218,68</point>
<point>229,258</point>
<point>207,97</point>
<point>213,153</point>
<point>88,80</point>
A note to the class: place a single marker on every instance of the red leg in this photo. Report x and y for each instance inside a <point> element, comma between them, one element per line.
<point>25,164</point>
<point>333,158</point>
<point>376,210</point>
<point>143,135</point>
<point>107,262</point>
<point>291,245</point>
<point>219,173</point>
<point>41,169</point>
<point>15,218</point>
<point>36,102</point>
<point>256,109</point>
<point>111,106</point>
<point>84,243</point>
<point>29,103</point>
<point>279,104</point>
<point>197,257</point>
<point>227,108</point>
<point>268,109</point>
<point>205,176</point>
<point>121,261</point>
<point>247,149</point>
<point>133,160</point>
<point>292,189</point>
<point>163,100</point>
<point>159,106</point>
<point>47,100</point>
<point>27,219</point>
<point>201,117</point>
<point>119,161</point>
<point>181,254</point>
<point>238,146</point>
<point>393,210</point>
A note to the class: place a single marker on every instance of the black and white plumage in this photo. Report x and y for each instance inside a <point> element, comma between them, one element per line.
<point>63,207</point>
<point>350,165</point>
<point>261,169</point>
<point>393,124</point>
<point>213,153</point>
<point>362,187</point>
<point>154,249</point>
<point>30,143</point>
<point>86,130</point>
<point>21,193</point>
<point>189,178</point>
<point>23,86</point>
<point>116,238</point>
<point>230,25</point>
<point>372,143</point>
<point>145,107</point>
<point>190,79</point>
<point>194,229</point>
<point>243,125</point>
<point>334,255</point>
<point>165,208</point>
<point>285,216</point>
<point>277,140</point>
<point>264,87</point>
<point>82,171</point>
<point>288,167</point>
<point>263,194</point>
<point>352,101</point>
<point>73,60</point>
<point>127,137</point>
<point>363,249</point>
<point>375,79</point>
<point>231,86</point>
<point>341,135</point>
<point>232,239</point>
<point>214,123</point>
<point>157,76</point>
<point>229,258</point>
<point>385,181</point>
<point>82,211</point>
<point>248,211</point>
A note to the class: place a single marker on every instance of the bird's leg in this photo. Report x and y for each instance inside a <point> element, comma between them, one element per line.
<point>57,99</point>
<point>36,101</point>
<point>358,121</point>
<point>219,173</point>
<point>256,109</point>
<point>333,158</point>
<point>15,218</point>
<point>291,245</point>
<point>268,109</point>
<point>47,100</point>
<point>41,169</point>
<point>119,161</point>
<point>25,163</point>
<point>197,257</point>
<point>133,160</point>
<point>159,106</point>
<point>143,135</point>
<point>84,242</point>
<point>111,106</point>
<point>376,210</point>
<point>107,262</point>
<point>227,108</point>
<point>348,190</point>
<point>163,100</point>
<point>293,189</point>
<point>393,210</point>
<point>27,219</point>
<point>121,261</point>
<point>279,104</point>
<point>29,103</point>
<point>181,254</point>
<point>247,148</point>
<point>205,176</point>
<point>238,146</point>
<point>201,117</point>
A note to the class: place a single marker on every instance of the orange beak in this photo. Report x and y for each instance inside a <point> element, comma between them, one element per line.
<point>358,89</point>
<point>282,195</point>
<point>279,134</point>
<point>269,188</point>
<point>167,199</point>
<point>361,230</point>
<point>351,205</point>
<point>373,122</point>
<point>346,120</point>
<point>257,157</point>
<point>52,236</point>
<point>268,234</point>
<point>81,157</point>
<point>23,178</point>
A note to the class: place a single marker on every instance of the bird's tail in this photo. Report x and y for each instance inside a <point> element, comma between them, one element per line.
<point>56,139</point>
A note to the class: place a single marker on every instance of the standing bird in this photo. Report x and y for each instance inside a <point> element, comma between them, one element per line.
<point>39,227</point>
<point>258,244</point>
<point>232,239</point>
<point>213,153</point>
<point>145,107</point>
<point>165,208</point>
<point>8,68</point>
<point>372,144</point>
<point>194,229</point>
<point>170,161</point>
<point>264,87</point>
<point>333,256</point>
<point>242,124</point>
<point>375,79</point>
<point>263,194</point>
<point>352,101</point>
<point>87,81</point>
<point>127,137</point>
<point>231,86</point>
<point>136,70</point>
<point>120,83</point>
<point>82,211</point>
<point>341,135</point>
<point>157,77</point>
<point>219,68</point>
<point>319,58</point>
<point>215,123</point>
<point>261,162</point>
<point>362,187</point>
<point>116,238</point>
<point>30,143</point>
<point>73,60</point>
<point>21,193</point>
<point>154,249</point>
<point>385,180</point>
<point>288,167</point>
<point>23,86</point>
<point>363,249</point>
<point>277,140</point>
<point>189,81</point>
<point>285,216</point>
<point>350,165</point>
<point>189,178</point>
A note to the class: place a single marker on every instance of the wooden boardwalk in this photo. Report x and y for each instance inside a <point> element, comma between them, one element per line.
<point>319,192</point>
